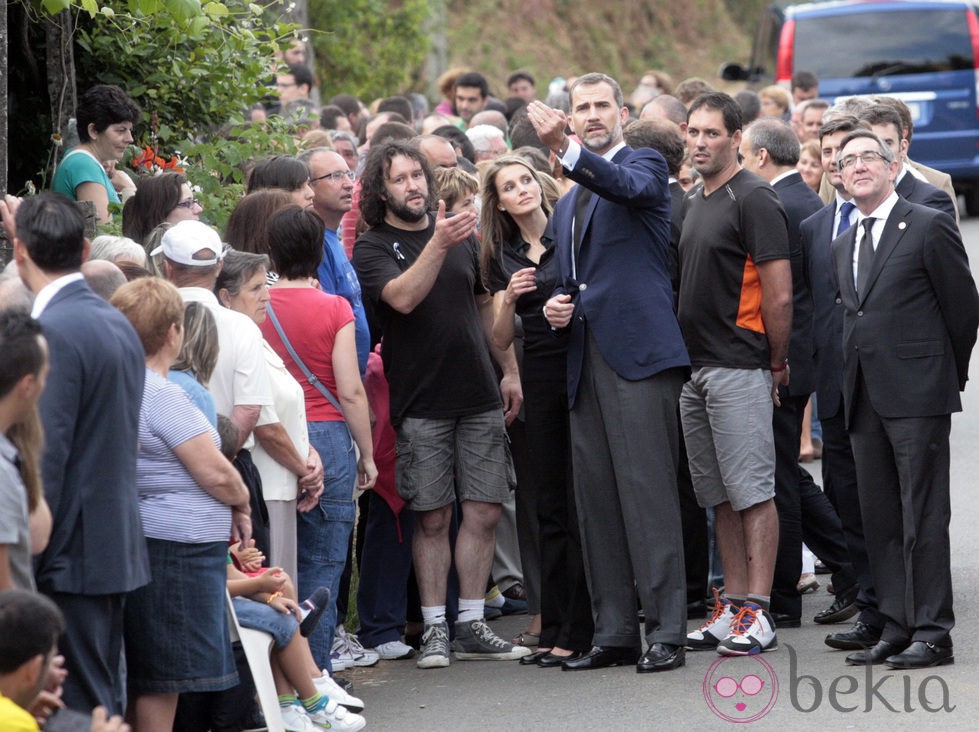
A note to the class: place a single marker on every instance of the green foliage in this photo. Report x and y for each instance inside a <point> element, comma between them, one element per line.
<point>219,175</point>
<point>195,70</point>
<point>369,48</point>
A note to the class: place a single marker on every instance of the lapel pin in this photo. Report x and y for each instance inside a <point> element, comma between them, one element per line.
<point>902,225</point>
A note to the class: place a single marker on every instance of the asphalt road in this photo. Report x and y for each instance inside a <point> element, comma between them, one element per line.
<point>807,686</point>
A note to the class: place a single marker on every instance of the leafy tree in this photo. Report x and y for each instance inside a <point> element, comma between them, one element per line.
<point>369,48</point>
<point>195,71</point>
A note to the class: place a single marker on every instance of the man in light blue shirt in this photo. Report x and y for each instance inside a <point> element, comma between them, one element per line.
<point>333,185</point>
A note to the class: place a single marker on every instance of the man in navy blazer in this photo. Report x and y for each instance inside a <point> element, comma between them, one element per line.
<point>626,366</point>
<point>911,313</point>
<point>90,413</point>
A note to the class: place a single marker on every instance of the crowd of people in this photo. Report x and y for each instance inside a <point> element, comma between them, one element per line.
<point>562,357</point>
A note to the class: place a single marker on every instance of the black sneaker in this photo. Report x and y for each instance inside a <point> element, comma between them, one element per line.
<point>313,607</point>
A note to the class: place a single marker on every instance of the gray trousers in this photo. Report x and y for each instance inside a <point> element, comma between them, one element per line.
<point>624,444</point>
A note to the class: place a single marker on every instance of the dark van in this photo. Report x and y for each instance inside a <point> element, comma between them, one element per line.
<point>921,51</point>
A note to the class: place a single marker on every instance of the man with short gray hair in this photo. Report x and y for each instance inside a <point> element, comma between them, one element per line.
<point>911,312</point>
<point>489,142</point>
<point>771,150</point>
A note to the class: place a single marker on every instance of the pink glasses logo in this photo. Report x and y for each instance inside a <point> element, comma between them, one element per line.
<point>737,696</point>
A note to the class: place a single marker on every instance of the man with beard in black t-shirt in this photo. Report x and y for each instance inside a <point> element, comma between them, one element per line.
<point>421,272</point>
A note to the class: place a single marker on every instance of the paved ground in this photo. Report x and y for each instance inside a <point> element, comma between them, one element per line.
<point>815,690</point>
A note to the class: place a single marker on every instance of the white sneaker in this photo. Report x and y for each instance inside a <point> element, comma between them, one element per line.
<point>341,658</point>
<point>752,632</point>
<point>327,714</point>
<point>295,718</point>
<point>325,685</point>
<point>716,629</point>
<point>394,650</point>
<point>362,656</point>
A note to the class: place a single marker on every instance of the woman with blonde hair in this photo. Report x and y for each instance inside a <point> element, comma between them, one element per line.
<point>191,499</point>
<point>521,270</point>
<point>774,102</point>
<point>810,164</point>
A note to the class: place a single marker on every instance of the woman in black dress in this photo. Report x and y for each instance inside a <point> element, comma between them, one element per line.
<point>521,271</point>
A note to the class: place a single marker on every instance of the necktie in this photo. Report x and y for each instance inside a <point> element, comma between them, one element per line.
<point>866,257</point>
<point>844,224</point>
<point>582,199</point>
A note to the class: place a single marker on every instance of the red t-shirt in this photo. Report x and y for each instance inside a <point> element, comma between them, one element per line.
<point>310,319</point>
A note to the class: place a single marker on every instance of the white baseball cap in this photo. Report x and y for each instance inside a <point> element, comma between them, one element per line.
<point>192,243</point>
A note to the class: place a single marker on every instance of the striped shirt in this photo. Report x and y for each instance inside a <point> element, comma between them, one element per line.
<point>172,505</point>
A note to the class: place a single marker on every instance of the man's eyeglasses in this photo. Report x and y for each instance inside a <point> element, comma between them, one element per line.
<point>189,203</point>
<point>336,176</point>
<point>867,157</point>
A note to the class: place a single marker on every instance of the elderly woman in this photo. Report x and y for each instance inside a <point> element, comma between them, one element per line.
<point>166,197</point>
<point>521,271</point>
<point>290,467</point>
<point>117,249</point>
<point>313,332</point>
<point>105,118</point>
<point>284,172</point>
<point>191,499</point>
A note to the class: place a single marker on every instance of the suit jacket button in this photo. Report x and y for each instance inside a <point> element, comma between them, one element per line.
<point>859,313</point>
<point>839,300</point>
<point>582,287</point>
<point>581,318</point>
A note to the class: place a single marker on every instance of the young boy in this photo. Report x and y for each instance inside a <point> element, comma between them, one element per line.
<point>457,188</point>
<point>29,628</point>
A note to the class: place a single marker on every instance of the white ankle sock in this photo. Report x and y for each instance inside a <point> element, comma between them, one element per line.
<point>433,615</point>
<point>470,610</point>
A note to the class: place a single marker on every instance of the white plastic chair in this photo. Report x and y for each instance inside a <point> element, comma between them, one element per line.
<point>257,644</point>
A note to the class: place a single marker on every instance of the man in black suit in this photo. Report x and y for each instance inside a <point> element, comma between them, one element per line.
<point>839,472</point>
<point>911,312</point>
<point>90,413</point>
<point>771,150</point>
<point>886,124</point>
<point>626,366</point>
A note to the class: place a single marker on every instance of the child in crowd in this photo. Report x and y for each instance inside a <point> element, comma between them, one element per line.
<point>308,697</point>
<point>457,188</point>
<point>29,628</point>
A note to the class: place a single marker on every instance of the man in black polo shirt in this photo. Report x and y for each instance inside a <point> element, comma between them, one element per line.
<point>735,311</point>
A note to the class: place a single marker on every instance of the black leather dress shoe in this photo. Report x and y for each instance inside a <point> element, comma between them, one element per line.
<point>858,637</point>
<point>876,655</point>
<point>603,657</point>
<point>921,655</point>
<point>549,660</point>
<point>843,608</point>
<point>661,657</point>
<point>533,658</point>
<point>784,620</point>
<point>696,609</point>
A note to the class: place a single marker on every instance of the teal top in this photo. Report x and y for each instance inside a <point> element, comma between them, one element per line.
<point>80,166</point>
